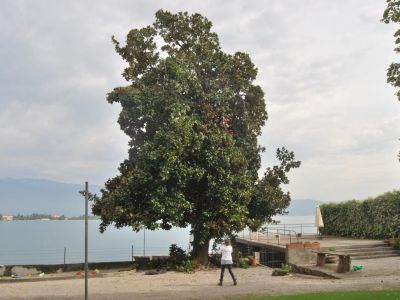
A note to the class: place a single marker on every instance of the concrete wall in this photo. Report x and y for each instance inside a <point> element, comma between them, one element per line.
<point>140,261</point>
<point>300,256</point>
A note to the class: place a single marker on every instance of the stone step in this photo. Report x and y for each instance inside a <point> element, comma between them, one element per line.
<point>375,245</point>
<point>376,256</point>
<point>367,250</point>
<point>373,253</point>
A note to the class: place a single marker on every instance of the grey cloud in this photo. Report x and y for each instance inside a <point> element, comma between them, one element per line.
<point>321,63</point>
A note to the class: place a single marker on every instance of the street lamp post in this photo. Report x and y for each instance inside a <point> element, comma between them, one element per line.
<point>86,238</point>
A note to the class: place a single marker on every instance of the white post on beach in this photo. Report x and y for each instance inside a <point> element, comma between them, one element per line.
<point>86,238</point>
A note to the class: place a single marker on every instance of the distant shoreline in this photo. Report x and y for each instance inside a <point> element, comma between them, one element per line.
<point>6,221</point>
<point>44,217</point>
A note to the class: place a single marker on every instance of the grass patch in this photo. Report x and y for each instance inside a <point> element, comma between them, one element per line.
<point>358,295</point>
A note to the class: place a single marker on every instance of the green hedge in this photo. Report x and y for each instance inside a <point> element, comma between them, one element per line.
<point>374,218</point>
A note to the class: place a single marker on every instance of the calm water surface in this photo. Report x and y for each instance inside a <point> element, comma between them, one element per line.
<point>43,242</point>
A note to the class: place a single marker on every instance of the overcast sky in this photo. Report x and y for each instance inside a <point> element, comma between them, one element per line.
<point>322,65</point>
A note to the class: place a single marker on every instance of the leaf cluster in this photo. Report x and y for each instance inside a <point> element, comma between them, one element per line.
<point>269,199</point>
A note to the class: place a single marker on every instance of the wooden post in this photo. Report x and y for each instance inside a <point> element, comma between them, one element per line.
<point>321,259</point>
<point>344,264</point>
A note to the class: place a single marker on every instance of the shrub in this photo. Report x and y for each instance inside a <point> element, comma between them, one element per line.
<point>397,245</point>
<point>187,267</point>
<point>177,256</point>
<point>240,260</point>
<point>286,267</point>
<point>374,218</point>
<point>243,262</point>
<point>215,259</point>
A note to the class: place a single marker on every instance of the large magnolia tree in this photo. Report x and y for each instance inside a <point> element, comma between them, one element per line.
<point>193,115</point>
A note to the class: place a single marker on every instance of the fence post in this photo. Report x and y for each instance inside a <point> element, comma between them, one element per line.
<point>132,254</point>
<point>273,258</point>
<point>65,255</point>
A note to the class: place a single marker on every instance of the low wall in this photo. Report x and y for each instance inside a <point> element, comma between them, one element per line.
<point>302,253</point>
<point>139,261</point>
<point>9,270</point>
<point>300,256</point>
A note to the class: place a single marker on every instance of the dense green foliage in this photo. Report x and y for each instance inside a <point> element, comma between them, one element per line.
<point>397,245</point>
<point>375,218</point>
<point>353,295</point>
<point>193,115</point>
<point>177,256</point>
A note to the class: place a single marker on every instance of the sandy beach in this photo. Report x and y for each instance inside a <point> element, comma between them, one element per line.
<point>198,285</point>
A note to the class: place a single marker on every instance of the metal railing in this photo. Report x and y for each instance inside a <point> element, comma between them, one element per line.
<point>278,233</point>
<point>302,229</point>
<point>68,255</point>
<point>282,233</point>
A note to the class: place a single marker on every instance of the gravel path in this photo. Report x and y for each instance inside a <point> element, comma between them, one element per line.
<point>199,285</point>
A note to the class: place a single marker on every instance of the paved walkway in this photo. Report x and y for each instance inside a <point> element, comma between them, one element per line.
<point>371,268</point>
<point>199,285</point>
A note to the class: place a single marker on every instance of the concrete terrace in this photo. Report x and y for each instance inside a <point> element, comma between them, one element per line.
<point>280,241</point>
<point>377,257</point>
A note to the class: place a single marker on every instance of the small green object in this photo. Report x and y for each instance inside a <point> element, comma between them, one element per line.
<point>358,267</point>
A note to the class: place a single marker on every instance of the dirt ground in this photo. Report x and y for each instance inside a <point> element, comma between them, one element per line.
<point>199,285</point>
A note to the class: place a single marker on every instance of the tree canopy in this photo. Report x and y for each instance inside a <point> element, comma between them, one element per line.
<point>193,115</point>
<point>392,15</point>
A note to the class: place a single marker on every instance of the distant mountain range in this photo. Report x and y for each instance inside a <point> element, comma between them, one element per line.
<point>27,196</point>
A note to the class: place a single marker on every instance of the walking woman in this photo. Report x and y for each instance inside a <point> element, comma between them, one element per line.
<point>226,261</point>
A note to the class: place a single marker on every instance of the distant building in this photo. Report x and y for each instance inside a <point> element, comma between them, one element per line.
<point>7,218</point>
<point>55,216</point>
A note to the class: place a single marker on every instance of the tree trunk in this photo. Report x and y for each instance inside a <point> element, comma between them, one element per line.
<point>200,250</point>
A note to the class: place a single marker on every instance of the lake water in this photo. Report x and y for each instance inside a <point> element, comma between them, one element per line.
<point>43,242</point>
